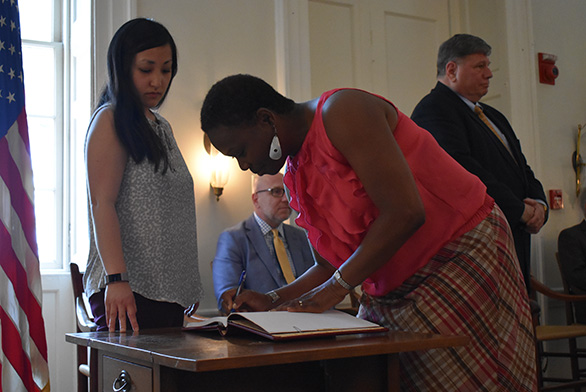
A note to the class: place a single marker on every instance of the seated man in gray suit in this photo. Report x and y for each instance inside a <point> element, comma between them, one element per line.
<point>250,245</point>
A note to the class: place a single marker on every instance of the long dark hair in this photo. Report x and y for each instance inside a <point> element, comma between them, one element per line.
<point>132,126</point>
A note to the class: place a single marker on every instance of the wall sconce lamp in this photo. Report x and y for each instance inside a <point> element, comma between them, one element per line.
<point>219,167</point>
<point>577,161</point>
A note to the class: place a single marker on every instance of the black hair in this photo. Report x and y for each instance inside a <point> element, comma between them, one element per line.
<point>132,126</point>
<point>235,100</point>
<point>457,47</point>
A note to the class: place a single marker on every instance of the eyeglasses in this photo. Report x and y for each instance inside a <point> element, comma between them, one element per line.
<point>275,192</point>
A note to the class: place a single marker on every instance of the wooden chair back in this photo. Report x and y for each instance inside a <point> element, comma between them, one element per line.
<point>570,310</point>
<point>545,332</point>
<point>84,323</point>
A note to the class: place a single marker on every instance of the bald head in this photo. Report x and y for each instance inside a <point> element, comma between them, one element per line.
<point>266,181</point>
<point>270,208</point>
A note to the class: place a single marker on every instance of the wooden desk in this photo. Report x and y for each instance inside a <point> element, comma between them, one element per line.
<point>172,360</point>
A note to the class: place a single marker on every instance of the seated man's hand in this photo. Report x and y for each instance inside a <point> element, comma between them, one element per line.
<point>247,301</point>
<point>228,300</point>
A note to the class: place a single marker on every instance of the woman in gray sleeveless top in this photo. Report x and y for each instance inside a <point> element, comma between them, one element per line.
<point>142,269</point>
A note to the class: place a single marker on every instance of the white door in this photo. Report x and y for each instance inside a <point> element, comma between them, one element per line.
<point>339,44</point>
<point>385,46</point>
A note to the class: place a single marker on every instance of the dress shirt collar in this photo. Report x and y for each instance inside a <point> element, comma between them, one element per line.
<point>468,102</point>
<point>265,227</point>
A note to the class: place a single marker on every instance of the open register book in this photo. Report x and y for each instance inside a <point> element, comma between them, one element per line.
<point>286,325</point>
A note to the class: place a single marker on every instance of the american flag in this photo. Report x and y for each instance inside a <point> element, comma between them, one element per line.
<point>23,345</point>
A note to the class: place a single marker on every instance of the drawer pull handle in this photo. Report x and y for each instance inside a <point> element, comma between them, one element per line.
<point>122,383</point>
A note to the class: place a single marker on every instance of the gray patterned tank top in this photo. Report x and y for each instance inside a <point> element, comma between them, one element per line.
<point>158,228</point>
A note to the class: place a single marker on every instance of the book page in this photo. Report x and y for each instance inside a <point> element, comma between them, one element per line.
<point>200,322</point>
<point>284,322</point>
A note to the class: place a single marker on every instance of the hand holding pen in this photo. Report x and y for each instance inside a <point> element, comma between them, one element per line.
<point>239,289</point>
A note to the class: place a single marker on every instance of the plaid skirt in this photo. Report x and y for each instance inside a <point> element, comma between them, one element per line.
<point>473,287</point>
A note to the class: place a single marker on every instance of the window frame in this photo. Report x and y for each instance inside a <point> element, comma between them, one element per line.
<point>69,226</point>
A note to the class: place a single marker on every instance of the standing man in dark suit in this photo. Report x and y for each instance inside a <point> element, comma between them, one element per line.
<point>250,246</point>
<point>572,255</point>
<point>484,143</point>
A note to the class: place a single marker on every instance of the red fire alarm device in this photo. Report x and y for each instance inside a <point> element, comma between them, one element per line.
<point>548,71</point>
<point>556,202</point>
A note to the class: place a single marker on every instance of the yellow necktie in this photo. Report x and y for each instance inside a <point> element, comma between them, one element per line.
<point>282,257</point>
<point>480,113</point>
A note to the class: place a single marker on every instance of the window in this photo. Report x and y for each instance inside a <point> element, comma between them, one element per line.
<point>56,48</point>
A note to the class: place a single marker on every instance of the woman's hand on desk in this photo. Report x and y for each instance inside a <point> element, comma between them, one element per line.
<point>317,300</point>
<point>119,303</point>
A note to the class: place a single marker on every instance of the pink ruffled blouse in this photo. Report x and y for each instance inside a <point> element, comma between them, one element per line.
<point>337,212</point>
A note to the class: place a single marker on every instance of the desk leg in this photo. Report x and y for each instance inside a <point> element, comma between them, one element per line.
<point>93,370</point>
<point>393,373</point>
<point>82,380</point>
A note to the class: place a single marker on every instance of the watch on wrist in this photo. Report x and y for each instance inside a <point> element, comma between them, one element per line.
<point>274,296</point>
<point>342,282</point>
<point>121,277</point>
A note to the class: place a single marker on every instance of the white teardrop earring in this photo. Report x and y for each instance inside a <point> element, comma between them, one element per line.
<point>275,152</point>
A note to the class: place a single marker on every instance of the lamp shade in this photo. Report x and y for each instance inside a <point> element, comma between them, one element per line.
<point>220,170</point>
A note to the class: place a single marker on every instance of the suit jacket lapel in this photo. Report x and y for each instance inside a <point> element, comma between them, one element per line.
<point>507,132</point>
<point>258,242</point>
<point>461,106</point>
<point>510,156</point>
<point>474,117</point>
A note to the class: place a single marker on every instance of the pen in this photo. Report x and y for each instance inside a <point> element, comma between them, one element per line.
<point>240,284</point>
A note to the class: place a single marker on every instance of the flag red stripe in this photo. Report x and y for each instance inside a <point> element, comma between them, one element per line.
<point>12,348</point>
<point>23,129</point>
<point>19,198</point>
<point>26,300</point>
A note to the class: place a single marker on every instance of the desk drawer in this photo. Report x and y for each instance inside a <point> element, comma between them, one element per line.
<point>138,378</point>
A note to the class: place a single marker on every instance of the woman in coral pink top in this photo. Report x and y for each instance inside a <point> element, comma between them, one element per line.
<point>387,209</point>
